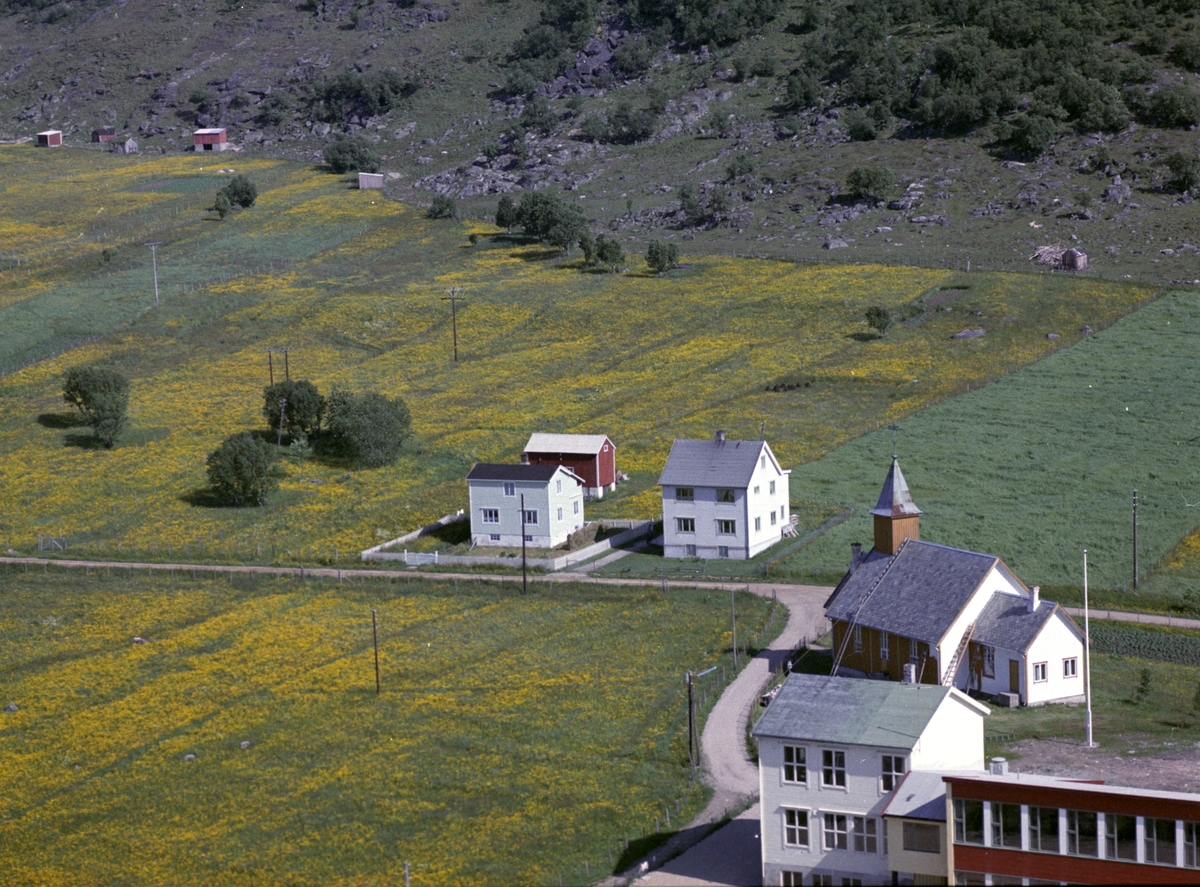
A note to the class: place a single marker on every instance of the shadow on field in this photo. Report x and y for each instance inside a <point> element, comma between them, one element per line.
<point>541,255</point>
<point>204,497</point>
<point>59,421</point>
<point>87,441</point>
<point>864,337</point>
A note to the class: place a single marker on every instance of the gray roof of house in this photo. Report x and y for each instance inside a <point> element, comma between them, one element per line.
<point>920,795</point>
<point>1007,623</point>
<point>851,711</point>
<point>895,499</point>
<point>493,471</point>
<point>916,593</point>
<point>712,463</point>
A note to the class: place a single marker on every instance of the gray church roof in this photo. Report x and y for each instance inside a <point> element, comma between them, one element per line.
<point>713,463</point>
<point>895,500</point>
<point>853,711</point>
<point>917,593</point>
<point>1007,623</point>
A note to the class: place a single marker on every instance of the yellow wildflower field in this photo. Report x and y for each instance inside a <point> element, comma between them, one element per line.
<point>353,284</point>
<point>516,738</point>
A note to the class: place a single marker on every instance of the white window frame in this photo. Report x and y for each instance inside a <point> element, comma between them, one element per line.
<point>756,489</point>
<point>689,551</point>
<point>510,489</point>
<point>576,503</point>
<point>722,551</point>
<point>772,517</point>
<point>1070,667</point>
<point>726,495</point>
<point>833,768</point>
<point>989,662</point>
<point>530,517</point>
<point>762,461</point>
<point>833,837</point>
<point>685,525</point>
<point>494,537</point>
<point>795,828</point>
<point>891,770</point>
<point>726,527</point>
<point>758,525</point>
<point>771,488</point>
<point>795,765</point>
<point>858,639</point>
<point>489,515</point>
<point>884,650</point>
<point>1041,672</point>
<point>685,494</point>
<point>560,514</point>
<point>865,833</point>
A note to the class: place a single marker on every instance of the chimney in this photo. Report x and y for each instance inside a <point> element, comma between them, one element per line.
<point>855,554</point>
<point>910,674</point>
<point>1035,593</point>
<point>720,437</point>
<point>998,767</point>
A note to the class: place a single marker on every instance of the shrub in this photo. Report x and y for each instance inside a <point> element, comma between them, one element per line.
<point>240,470</point>
<point>803,90</point>
<point>221,205</point>
<point>506,213</point>
<point>275,109</point>
<point>870,182</point>
<point>609,252</point>
<point>860,127</point>
<point>537,116</point>
<point>1143,688</point>
<point>1029,135</point>
<point>368,429</point>
<point>1185,170</point>
<point>693,212</point>
<point>593,129</point>
<point>547,217</point>
<point>350,154</point>
<point>1186,53</point>
<point>627,126</point>
<point>304,410</point>
<point>740,165</point>
<point>587,246</point>
<point>443,207</point>
<point>102,395</point>
<point>241,191</point>
<point>1174,106</point>
<point>661,256</point>
<point>879,319</point>
<point>633,56</point>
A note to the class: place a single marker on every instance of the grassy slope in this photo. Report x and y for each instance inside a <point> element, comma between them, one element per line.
<point>99,76</point>
<point>516,736</point>
<point>1041,464</point>
<point>542,346</point>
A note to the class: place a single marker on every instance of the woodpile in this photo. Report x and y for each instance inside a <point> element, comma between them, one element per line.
<point>1048,255</point>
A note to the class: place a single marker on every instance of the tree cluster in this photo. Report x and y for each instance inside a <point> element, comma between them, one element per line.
<point>239,192</point>
<point>350,154</point>
<point>101,394</point>
<point>544,215</point>
<point>350,94</point>
<point>241,471</point>
<point>661,256</point>
<point>547,48</point>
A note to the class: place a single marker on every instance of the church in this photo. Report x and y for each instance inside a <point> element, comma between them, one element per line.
<point>949,616</point>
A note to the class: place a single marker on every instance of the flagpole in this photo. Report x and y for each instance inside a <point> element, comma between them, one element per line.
<point>1087,656</point>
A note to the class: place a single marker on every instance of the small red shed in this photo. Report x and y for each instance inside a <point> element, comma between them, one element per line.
<point>591,456</point>
<point>51,138</point>
<point>210,139</point>
<point>104,134</point>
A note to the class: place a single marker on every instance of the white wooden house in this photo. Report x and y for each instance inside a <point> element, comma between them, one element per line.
<point>831,754</point>
<point>722,498</point>
<point>962,618</point>
<point>553,504</point>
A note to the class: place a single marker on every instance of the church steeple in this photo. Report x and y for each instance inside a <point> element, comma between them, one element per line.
<point>896,515</point>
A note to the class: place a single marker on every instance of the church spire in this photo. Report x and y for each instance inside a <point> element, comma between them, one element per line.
<point>896,515</point>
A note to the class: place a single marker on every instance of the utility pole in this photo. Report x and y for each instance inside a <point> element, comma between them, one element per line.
<point>282,413</point>
<point>691,726</point>
<point>733,622</point>
<point>271,364</point>
<point>524,574</point>
<point>154,262</point>
<point>1087,654</point>
<point>375,638</point>
<point>1135,545</point>
<point>454,298</point>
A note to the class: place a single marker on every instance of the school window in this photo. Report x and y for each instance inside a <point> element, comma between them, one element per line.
<point>689,550</point>
<point>491,515</point>
<point>858,643</point>
<point>1120,837</point>
<point>727,527</point>
<point>833,768</point>
<point>884,652</point>
<point>1043,829</point>
<point>922,837</point>
<point>1070,667</point>
<point>772,518</point>
<point>1006,825</point>
<point>865,840</point>
<point>1081,833</point>
<point>722,551</point>
<point>685,494</point>
<point>560,514</point>
<point>1039,672</point>
<point>1160,841</point>
<point>531,516</point>
<point>685,524</point>
<point>968,822</point>
<point>558,486</point>
<point>894,767</point>
<point>836,832</point>
<point>795,765</point>
<point>1191,831</point>
<point>989,662</point>
<point>510,489</point>
<point>795,828</point>
<point>724,495</point>
<point>771,488</point>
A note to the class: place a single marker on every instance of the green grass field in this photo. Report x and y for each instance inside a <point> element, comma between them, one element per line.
<point>1039,465</point>
<point>516,738</point>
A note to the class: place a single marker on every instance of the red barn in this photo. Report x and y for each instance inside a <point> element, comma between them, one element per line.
<point>591,456</point>
<point>51,138</point>
<point>209,139</point>
<point>104,134</point>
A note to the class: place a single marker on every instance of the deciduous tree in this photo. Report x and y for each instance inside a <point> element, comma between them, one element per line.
<point>102,395</point>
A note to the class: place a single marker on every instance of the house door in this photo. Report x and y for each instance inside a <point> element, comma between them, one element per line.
<point>1014,676</point>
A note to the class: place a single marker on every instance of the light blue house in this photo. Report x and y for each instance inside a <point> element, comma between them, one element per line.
<point>553,509</point>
